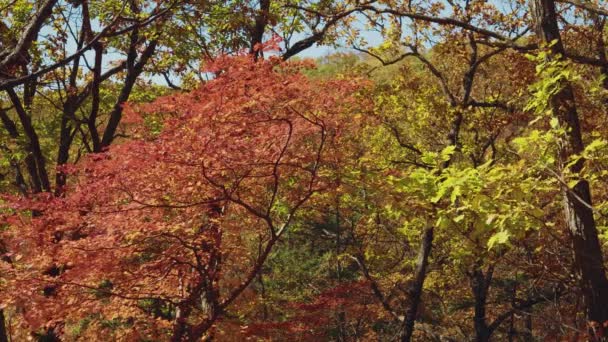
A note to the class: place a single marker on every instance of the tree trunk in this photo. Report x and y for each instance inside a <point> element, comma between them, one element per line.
<point>599,26</point>
<point>512,331</point>
<point>3,332</point>
<point>416,289</point>
<point>341,314</point>
<point>257,31</point>
<point>587,251</point>
<point>425,247</point>
<point>33,144</point>
<point>528,334</point>
<point>65,142</point>
<point>480,284</point>
<point>134,69</point>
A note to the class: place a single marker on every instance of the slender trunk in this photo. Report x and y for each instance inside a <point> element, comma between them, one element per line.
<point>29,34</point>
<point>416,290</point>
<point>205,293</point>
<point>133,71</point>
<point>11,128</point>
<point>265,313</point>
<point>3,330</point>
<point>33,143</point>
<point>66,135</point>
<point>342,333</point>
<point>425,247</point>
<point>587,251</point>
<point>479,286</point>
<point>65,142</point>
<point>599,26</point>
<point>528,336</point>
<point>512,331</point>
<point>257,31</point>
<point>30,163</point>
<point>96,99</point>
<point>180,326</point>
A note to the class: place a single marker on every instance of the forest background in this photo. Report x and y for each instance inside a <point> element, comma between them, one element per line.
<point>179,170</point>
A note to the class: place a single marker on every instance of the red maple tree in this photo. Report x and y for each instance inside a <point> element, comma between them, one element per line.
<point>160,234</point>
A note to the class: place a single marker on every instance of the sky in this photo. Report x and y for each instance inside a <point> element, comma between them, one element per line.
<point>371,37</point>
<point>316,51</point>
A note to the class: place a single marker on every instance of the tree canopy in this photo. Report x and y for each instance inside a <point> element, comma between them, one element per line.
<point>174,170</point>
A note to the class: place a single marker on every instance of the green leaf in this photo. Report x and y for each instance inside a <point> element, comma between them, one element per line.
<point>498,238</point>
<point>554,123</point>
<point>447,152</point>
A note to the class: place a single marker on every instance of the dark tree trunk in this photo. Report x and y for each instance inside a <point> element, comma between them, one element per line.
<point>512,331</point>
<point>96,99</point>
<point>19,52</point>
<point>259,27</point>
<point>416,289</point>
<point>587,251</point>
<point>70,107</point>
<point>3,332</point>
<point>341,316</point>
<point>134,68</point>
<point>66,136</point>
<point>133,71</point>
<point>599,26</point>
<point>205,293</point>
<point>425,248</point>
<point>528,335</point>
<point>480,284</point>
<point>11,127</point>
<point>41,181</point>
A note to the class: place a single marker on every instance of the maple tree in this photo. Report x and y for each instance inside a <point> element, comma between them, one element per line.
<point>245,152</point>
<point>82,60</point>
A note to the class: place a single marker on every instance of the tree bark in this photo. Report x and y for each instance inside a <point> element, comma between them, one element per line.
<point>33,144</point>
<point>528,334</point>
<point>416,289</point>
<point>480,284</point>
<point>512,331</point>
<point>3,332</point>
<point>70,106</point>
<point>587,251</point>
<point>425,247</point>
<point>259,27</point>
<point>133,71</point>
<point>11,128</point>
<point>599,26</point>
<point>30,32</point>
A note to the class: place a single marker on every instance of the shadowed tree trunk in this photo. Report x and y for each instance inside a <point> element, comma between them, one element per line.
<point>3,332</point>
<point>480,284</point>
<point>599,26</point>
<point>425,248</point>
<point>417,286</point>
<point>40,174</point>
<point>587,251</point>
<point>528,334</point>
<point>259,27</point>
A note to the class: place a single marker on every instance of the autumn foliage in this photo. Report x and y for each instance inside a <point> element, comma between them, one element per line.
<point>161,234</point>
<point>166,175</point>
